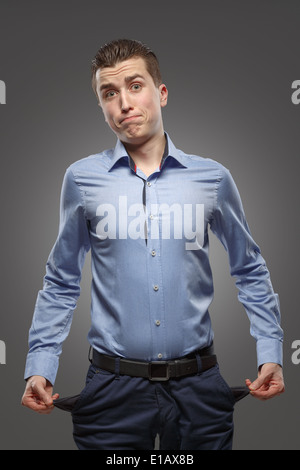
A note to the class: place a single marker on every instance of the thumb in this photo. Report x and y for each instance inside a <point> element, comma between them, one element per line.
<point>46,398</point>
<point>256,384</point>
<point>39,388</point>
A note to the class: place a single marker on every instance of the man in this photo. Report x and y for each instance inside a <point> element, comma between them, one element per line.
<point>144,209</point>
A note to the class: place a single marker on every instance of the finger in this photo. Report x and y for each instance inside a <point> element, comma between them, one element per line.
<point>41,395</point>
<point>253,392</point>
<point>267,392</point>
<point>34,403</point>
<point>263,395</point>
<point>256,384</point>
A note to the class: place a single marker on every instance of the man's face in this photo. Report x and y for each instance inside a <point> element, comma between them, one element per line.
<point>130,101</point>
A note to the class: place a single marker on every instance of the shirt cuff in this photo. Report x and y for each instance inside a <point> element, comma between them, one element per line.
<point>42,363</point>
<point>269,350</point>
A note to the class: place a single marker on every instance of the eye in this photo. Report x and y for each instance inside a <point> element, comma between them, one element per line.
<point>110,94</point>
<point>136,87</point>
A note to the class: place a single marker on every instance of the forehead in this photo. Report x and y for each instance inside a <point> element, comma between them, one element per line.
<point>121,70</point>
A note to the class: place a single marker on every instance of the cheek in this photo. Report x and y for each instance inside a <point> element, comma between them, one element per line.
<point>108,115</point>
<point>151,107</point>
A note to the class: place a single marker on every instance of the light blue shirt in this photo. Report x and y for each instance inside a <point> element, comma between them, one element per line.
<point>151,278</point>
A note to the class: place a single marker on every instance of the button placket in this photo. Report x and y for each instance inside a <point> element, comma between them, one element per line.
<point>156,307</point>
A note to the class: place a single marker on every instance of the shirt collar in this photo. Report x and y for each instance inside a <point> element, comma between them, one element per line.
<point>121,153</point>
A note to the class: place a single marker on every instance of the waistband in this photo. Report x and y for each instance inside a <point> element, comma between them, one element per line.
<point>158,371</point>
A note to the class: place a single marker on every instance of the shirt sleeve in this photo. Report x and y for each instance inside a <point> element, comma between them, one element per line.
<point>61,287</point>
<point>255,290</point>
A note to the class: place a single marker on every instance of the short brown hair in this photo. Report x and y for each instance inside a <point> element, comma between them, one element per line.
<point>122,49</point>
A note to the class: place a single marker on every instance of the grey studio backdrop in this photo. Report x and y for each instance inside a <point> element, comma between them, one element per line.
<point>229,67</point>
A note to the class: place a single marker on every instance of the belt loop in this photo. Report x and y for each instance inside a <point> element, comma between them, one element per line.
<point>117,368</point>
<point>199,363</point>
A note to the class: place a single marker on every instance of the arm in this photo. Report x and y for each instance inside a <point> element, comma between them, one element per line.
<point>253,282</point>
<point>57,300</point>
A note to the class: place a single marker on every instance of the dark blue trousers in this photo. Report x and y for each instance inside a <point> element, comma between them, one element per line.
<point>126,413</point>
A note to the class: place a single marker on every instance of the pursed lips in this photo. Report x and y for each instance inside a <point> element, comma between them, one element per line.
<point>129,118</point>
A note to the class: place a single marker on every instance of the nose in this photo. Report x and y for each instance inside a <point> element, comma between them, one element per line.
<point>125,102</point>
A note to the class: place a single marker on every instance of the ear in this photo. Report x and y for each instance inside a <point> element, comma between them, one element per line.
<point>163,91</point>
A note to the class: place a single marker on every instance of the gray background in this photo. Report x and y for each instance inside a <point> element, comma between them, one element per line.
<point>229,66</point>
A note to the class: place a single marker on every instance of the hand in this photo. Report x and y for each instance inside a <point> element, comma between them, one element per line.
<point>38,395</point>
<point>269,382</point>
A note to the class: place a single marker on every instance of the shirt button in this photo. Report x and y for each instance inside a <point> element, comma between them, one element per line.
<point>155,288</point>
<point>151,216</point>
<point>153,253</point>
<point>159,355</point>
<point>157,323</point>
<point>148,184</point>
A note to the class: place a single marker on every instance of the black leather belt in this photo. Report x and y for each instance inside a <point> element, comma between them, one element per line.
<point>158,371</point>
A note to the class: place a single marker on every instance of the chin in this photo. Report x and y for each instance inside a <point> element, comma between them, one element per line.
<point>133,136</point>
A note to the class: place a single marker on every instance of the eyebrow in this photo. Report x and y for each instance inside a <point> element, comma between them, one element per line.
<point>128,79</point>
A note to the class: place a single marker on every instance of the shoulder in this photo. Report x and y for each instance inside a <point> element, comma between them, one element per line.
<point>92,163</point>
<point>201,163</point>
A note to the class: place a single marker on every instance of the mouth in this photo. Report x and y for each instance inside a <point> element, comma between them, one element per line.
<point>129,119</point>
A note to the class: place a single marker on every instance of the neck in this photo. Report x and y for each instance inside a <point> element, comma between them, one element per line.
<point>147,156</point>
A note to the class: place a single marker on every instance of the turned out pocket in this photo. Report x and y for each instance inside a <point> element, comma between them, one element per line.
<point>239,393</point>
<point>66,403</point>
